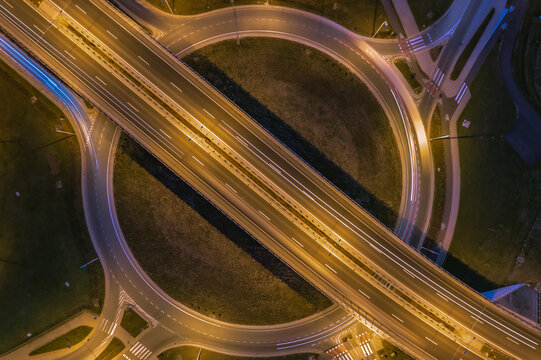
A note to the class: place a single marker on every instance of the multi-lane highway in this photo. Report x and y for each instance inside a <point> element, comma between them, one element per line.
<point>288,176</point>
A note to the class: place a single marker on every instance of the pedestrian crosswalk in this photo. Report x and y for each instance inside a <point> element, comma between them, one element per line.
<point>108,326</point>
<point>409,46</point>
<point>139,351</point>
<point>461,93</point>
<point>433,86</point>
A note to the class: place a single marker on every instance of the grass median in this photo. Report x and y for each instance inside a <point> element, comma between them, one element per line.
<point>189,352</point>
<point>43,235</point>
<point>500,195</point>
<point>65,341</point>
<point>363,17</point>
<point>133,323</point>
<point>191,249</point>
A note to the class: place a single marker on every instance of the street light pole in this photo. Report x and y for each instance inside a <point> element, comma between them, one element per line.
<point>382,24</point>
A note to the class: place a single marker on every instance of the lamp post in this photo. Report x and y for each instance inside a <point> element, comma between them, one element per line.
<point>382,25</point>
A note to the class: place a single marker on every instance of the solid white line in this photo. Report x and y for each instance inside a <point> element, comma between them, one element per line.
<point>334,271</point>
<point>229,186</point>
<point>432,341</point>
<point>196,159</point>
<point>362,292</point>
<point>212,116</point>
<point>110,33</point>
<point>301,245</point>
<point>268,218</point>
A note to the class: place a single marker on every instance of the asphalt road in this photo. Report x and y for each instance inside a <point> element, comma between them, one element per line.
<point>286,172</point>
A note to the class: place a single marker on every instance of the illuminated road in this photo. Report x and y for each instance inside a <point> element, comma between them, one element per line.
<point>364,238</point>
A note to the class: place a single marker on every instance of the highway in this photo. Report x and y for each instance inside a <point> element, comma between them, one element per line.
<point>366,238</point>
<point>311,334</point>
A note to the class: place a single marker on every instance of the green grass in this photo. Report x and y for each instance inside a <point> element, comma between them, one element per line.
<point>524,59</point>
<point>133,323</point>
<point>188,255</point>
<point>427,12</point>
<point>352,133</point>
<point>68,339</point>
<point>438,154</point>
<point>43,235</point>
<point>500,196</point>
<point>465,55</point>
<point>282,84</point>
<point>411,78</point>
<point>355,15</point>
<point>113,349</point>
<point>435,52</point>
<point>392,352</point>
<point>190,353</point>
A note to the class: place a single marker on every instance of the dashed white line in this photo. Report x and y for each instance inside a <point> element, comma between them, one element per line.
<point>362,292</point>
<point>110,33</point>
<point>196,159</point>
<point>165,134</point>
<point>212,116</point>
<point>229,186</point>
<point>143,60</point>
<point>432,341</point>
<point>330,268</point>
<point>77,6</point>
<point>397,318</point>
<point>301,245</point>
<point>175,86</point>
<point>268,218</point>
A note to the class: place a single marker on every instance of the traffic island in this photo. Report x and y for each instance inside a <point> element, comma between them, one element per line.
<point>192,250</point>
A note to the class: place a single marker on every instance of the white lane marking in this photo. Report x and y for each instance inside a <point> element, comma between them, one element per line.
<point>212,116</point>
<point>41,31</point>
<point>175,86</point>
<point>432,341</point>
<point>477,319</point>
<point>133,107</point>
<point>501,324</point>
<point>397,318</point>
<point>165,134</point>
<point>110,33</point>
<point>71,56</point>
<point>268,218</point>
<point>11,6</point>
<point>113,330</point>
<point>103,82</point>
<point>362,292</point>
<point>77,6</point>
<point>196,159</point>
<point>409,273</point>
<point>143,60</point>
<point>443,297</point>
<point>229,186</point>
<point>330,268</point>
<point>508,338</point>
<point>301,245</point>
